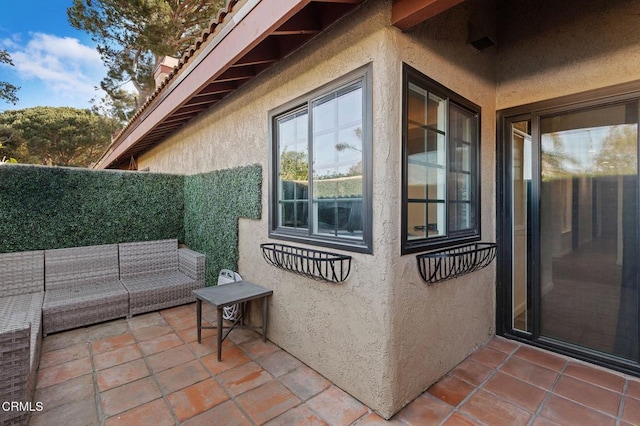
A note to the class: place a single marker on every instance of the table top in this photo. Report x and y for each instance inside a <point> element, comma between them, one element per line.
<point>230,294</point>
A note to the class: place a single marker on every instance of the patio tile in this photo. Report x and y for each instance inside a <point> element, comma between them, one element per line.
<point>631,413</point>
<point>488,357</point>
<point>182,376</point>
<point>596,376</point>
<point>516,391</point>
<point>633,389</point>
<point>108,329</point>
<point>336,407</point>
<point>542,421</point>
<point>372,419</point>
<point>126,397</point>
<point>241,335</point>
<point>151,332</point>
<point>424,410</point>
<point>298,416</point>
<point>587,394</point>
<point>115,357</point>
<point>225,414</point>
<point>241,379</point>
<point>64,339</point>
<point>111,343</point>
<point>231,357</point>
<point>503,345</point>
<point>181,323</point>
<point>540,357</point>
<point>472,372</point>
<point>60,356</point>
<point>154,413</point>
<point>196,399</point>
<point>267,401</point>
<point>305,382</point>
<point>458,419</point>
<point>170,358</point>
<point>191,334</point>
<point>565,412</point>
<point>179,311</point>
<point>257,348</point>
<point>160,344</point>
<point>82,412</point>
<point>495,411</point>
<point>279,363</point>
<point>59,373</point>
<point>66,392</point>
<point>451,390</point>
<point>146,320</point>
<point>121,374</point>
<point>530,372</point>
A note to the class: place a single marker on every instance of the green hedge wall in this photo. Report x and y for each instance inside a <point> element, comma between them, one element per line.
<point>52,207</point>
<point>213,204</point>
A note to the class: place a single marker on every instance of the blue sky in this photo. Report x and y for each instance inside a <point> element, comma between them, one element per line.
<point>55,64</point>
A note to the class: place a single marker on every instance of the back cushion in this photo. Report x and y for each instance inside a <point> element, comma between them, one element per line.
<point>79,266</point>
<point>21,273</point>
<point>148,257</point>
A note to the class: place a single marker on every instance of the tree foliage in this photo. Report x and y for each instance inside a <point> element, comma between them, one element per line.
<point>55,136</point>
<point>132,35</point>
<point>7,90</point>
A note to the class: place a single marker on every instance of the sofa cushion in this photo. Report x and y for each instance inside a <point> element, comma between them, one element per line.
<point>22,273</point>
<point>81,266</point>
<point>68,308</point>
<point>148,257</point>
<point>158,291</point>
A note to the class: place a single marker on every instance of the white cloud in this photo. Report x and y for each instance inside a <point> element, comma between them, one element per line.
<point>66,67</point>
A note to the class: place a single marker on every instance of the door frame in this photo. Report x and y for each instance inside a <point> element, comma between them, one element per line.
<point>533,111</point>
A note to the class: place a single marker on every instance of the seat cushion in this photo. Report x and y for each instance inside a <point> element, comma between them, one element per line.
<point>158,291</point>
<point>68,308</point>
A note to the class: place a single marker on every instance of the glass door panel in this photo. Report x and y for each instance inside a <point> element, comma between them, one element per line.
<point>588,254</point>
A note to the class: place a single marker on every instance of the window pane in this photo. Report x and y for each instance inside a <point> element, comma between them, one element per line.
<point>337,163</point>
<point>463,131</point>
<point>436,226</point>
<point>293,182</point>
<point>416,221</point>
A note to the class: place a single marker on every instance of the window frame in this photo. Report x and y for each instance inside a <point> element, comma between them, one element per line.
<point>412,76</point>
<point>305,102</point>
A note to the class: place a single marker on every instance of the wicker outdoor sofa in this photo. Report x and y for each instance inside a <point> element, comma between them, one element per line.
<point>54,290</point>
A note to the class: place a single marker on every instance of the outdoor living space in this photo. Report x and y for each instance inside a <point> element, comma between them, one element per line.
<point>149,369</point>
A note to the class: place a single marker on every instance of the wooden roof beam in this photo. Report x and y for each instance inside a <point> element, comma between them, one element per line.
<point>406,14</point>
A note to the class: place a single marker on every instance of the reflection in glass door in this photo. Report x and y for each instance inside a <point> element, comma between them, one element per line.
<point>588,224</point>
<point>570,230</point>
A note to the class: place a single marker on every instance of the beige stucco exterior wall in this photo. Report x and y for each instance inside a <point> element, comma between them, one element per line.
<point>384,335</point>
<point>554,48</point>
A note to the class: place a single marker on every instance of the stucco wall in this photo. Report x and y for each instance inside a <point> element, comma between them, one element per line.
<point>341,330</point>
<point>435,326</point>
<point>553,48</point>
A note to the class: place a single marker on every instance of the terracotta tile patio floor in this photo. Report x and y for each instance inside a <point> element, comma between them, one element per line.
<point>149,370</point>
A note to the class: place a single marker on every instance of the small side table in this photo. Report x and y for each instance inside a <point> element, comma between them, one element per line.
<point>227,295</point>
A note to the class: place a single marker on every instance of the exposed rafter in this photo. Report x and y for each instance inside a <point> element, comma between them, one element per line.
<point>406,14</point>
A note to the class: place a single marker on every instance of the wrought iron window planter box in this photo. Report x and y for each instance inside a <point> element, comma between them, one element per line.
<point>453,262</point>
<point>314,264</point>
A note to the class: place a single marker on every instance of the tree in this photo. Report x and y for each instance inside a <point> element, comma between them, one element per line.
<point>7,90</point>
<point>619,152</point>
<point>55,136</point>
<point>132,35</point>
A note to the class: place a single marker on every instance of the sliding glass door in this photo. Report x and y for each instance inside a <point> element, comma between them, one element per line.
<point>569,259</point>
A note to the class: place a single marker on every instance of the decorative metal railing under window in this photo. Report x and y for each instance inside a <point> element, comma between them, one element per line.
<point>453,262</point>
<point>314,264</point>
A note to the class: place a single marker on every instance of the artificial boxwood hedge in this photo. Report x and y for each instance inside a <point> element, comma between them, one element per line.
<point>213,204</point>
<point>53,207</point>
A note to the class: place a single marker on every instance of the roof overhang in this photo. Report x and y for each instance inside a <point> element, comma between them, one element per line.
<point>406,14</point>
<point>253,37</point>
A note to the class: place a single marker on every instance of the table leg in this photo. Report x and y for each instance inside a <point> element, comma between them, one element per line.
<point>199,318</point>
<point>265,308</point>
<point>220,329</point>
